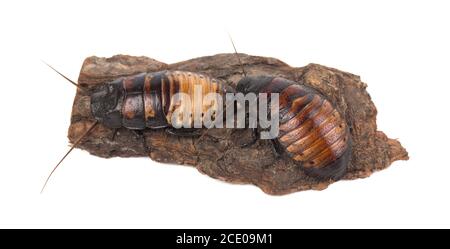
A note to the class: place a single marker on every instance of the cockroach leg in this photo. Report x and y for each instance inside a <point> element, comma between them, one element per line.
<point>114,134</point>
<point>184,132</point>
<point>277,149</point>
<point>255,134</point>
<point>144,140</point>
<point>139,134</point>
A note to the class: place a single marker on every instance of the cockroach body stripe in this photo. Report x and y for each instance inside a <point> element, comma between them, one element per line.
<point>312,131</point>
<point>147,100</point>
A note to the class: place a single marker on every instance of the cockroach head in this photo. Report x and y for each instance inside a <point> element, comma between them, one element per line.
<point>106,106</point>
<point>252,84</point>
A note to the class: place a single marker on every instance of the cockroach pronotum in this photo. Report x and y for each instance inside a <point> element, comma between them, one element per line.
<point>147,100</point>
<point>311,131</point>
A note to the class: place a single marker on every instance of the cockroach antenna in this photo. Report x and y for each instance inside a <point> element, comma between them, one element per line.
<point>68,152</point>
<point>220,116</point>
<point>65,77</point>
<point>237,54</point>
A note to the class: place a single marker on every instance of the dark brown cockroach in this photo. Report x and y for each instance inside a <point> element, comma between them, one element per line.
<point>311,131</point>
<point>147,100</point>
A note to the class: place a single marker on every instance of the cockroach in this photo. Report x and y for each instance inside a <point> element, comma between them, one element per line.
<point>312,131</point>
<point>147,100</point>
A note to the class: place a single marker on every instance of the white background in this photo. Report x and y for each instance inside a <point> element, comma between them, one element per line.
<point>400,49</point>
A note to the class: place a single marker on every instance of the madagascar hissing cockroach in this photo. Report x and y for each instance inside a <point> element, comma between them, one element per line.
<point>311,131</point>
<point>147,100</point>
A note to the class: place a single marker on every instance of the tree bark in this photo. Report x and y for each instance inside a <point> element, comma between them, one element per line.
<point>219,153</point>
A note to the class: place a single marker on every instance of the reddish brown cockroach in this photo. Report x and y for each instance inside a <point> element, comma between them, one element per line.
<point>312,131</point>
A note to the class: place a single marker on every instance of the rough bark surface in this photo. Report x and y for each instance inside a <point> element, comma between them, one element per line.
<point>219,153</point>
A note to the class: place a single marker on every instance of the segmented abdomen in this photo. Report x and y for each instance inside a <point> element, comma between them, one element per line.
<point>149,98</point>
<point>312,131</point>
